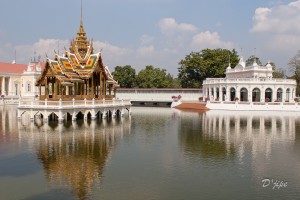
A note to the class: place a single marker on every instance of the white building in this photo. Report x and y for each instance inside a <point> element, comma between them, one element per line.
<point>18,80</point>
<point>253,83</point>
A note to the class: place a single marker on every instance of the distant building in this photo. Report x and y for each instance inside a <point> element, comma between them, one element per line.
<point>18,80</point>
<point>253,83</point>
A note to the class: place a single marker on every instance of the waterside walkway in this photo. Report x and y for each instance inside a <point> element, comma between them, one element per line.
<point>64,110</point>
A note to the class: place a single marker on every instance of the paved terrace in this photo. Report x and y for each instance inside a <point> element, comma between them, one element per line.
<point>71,109</point>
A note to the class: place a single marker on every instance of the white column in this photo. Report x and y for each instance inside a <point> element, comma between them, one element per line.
<point>3,85</point>
<point>274,94</point>
<point>227,94</point>
<point>283,94</point>
<point>204,91</point>
<point>10,87</point>
<point>238,92</point>
<point>262,95</point>
<point>221,93</point>
<point>250,94</point>
<point>215,93</point>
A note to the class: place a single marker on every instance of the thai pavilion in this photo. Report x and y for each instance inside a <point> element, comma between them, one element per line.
<point>79,74</point>
<point>252,83</point>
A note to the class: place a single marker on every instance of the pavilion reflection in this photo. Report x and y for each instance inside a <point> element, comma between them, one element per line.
<point>74,154</point>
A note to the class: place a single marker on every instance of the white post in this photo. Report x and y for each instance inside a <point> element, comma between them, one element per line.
<point>46,102</point>
<point>73,101</point>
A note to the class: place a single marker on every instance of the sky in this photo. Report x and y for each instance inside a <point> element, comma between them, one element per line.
<point>151,32</point>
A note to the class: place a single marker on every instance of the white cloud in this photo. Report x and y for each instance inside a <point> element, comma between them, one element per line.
<point>146,51</point>
<point>278,19</point>
<point>113,55</point>
<point>169,26</point>
<point>277,31</point>
<point>165,50</point>
<point>209,39</point>
<point>110,49</point>
<point>25,53</point>
<point>146,39</point>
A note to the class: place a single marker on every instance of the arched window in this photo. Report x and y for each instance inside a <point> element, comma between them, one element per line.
<point>217,94</point>
<point>288,94</point>
<point>224,93</point>
<point>256,95</point>
<point>279,95</point>
<point>244,94</point>
<point>28,87</point>
<point>268,95</point>
<point>232,94</point>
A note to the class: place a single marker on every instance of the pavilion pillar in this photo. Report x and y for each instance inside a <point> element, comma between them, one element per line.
<point>55,88</point>
<point>100,89</point>
<point>87,87</point>
<point>93,89</point>
<point>104,88</point>
<point>110,87</point>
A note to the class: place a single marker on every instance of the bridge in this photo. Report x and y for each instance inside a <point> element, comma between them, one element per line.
<point>61,110</point>
<point>158,96</point>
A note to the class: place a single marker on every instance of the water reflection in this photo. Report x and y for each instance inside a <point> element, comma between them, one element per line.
<point>74,154</point>
<point>225,134</point>
<point>260,129</point>
<point>196,142</point>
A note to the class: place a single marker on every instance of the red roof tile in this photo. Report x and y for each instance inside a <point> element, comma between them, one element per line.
<point>12,68</point>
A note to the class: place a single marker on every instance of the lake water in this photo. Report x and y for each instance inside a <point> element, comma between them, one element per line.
<point>156,153</point>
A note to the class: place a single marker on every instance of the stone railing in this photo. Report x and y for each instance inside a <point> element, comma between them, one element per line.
<point>254,103</point>
<point>247,80</point>
<point>72,104</point>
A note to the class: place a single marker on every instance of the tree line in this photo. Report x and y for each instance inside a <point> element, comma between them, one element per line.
<point>193,69</point>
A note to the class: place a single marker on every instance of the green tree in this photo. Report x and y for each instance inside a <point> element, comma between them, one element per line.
<point>277,73</point>
<point>294,65</point>
<point>125,76</point>
<point>152,77</point>
<point>208,63</point>
<point>253,59</point>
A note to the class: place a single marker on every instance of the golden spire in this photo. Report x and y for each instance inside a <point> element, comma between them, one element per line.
<point>81,42</point>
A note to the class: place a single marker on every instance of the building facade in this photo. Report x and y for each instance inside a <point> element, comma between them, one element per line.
<point>253,83</point>
<point>18,80</point>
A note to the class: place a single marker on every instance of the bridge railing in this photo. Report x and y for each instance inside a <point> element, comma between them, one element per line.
<point>74,103</point>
